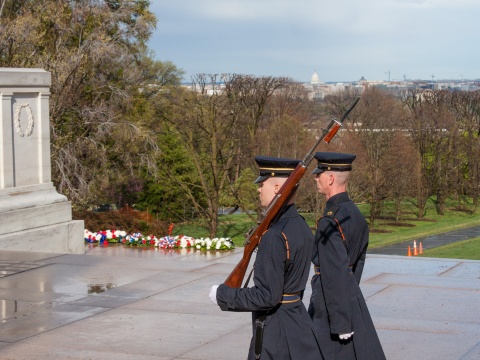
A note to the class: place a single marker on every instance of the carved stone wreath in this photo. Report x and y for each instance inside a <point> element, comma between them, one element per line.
<point>16,120</point>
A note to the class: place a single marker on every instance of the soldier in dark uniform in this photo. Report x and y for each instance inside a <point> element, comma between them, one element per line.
<point>282,328</point>
<point>341,319</point>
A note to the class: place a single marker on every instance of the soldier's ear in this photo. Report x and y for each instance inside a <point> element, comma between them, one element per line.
<point>276,189</point>
<point>331,179</point>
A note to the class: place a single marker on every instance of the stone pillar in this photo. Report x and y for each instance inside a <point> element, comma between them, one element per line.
<point>33,215</point>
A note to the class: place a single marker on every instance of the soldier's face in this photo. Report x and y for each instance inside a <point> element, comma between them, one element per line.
<point>323,181</point>
<point>267,191</point>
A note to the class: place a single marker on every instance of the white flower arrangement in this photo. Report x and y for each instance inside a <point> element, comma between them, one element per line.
<point>214,244</point>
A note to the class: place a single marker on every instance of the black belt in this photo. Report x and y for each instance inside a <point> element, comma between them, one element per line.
<point>317,269</point>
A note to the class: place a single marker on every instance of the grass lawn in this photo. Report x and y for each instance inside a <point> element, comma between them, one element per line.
<point>385,232</point>
<point>409,227</point>
<point>231,226</point>
<point>467,249</point>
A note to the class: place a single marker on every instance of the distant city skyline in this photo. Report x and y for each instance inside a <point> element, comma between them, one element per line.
<point>342,40</point>
<point>403,80</point>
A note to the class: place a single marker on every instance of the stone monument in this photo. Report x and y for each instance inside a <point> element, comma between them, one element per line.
<point>33,215</point>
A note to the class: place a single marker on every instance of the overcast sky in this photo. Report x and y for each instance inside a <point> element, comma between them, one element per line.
<point>342,40</point>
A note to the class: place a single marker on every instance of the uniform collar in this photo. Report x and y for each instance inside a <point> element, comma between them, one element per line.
<point>337,198</point>
<point>289,211</point>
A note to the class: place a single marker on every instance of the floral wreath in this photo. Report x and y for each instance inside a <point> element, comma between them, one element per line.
<point>18,129</point>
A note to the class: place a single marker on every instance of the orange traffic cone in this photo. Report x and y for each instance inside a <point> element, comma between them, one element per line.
<point>421,250</point>
<point>415,251</point>
<point>409,253</point>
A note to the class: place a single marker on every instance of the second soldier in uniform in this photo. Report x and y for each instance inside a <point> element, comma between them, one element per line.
<point>341,319</point>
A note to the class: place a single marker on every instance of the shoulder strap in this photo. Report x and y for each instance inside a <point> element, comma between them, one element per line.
<point>287,247</point>
<point>287,260</point>
<point>331,214</point>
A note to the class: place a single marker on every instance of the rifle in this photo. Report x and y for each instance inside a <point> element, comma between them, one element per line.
<point>276,206</point>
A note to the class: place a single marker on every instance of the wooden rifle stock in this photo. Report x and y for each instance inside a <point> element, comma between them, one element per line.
<point>275,208</point>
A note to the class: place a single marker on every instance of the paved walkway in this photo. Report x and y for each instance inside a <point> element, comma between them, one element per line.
<point>119,303</point>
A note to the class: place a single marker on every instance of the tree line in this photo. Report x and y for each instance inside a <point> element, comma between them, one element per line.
<point>124,130</point>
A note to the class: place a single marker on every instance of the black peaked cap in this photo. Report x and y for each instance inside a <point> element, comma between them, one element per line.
<point>274,167</point>
<point>330,161</point>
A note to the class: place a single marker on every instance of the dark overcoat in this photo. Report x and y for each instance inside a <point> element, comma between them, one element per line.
<point>337,305</point>
<point>288,332</point>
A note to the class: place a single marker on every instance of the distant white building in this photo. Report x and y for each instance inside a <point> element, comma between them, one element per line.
<point>315,79</point>
<point>318,90</point>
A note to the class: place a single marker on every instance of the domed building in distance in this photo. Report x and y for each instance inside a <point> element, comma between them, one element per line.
<point>316,89</point>
<point>315,79</point>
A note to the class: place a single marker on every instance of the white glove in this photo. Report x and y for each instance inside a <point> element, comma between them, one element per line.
<point>345,336</point>
<point>213,294</point>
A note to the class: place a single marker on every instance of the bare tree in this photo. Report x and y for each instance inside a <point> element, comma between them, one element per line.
<point>249,96</point>
<point>434,131</point>
<point>252,104</point>
<point>466,109</point>
<point>421,131</point>
<point>374,127</point>
<point>402,165</point>
<point>204,121</point>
